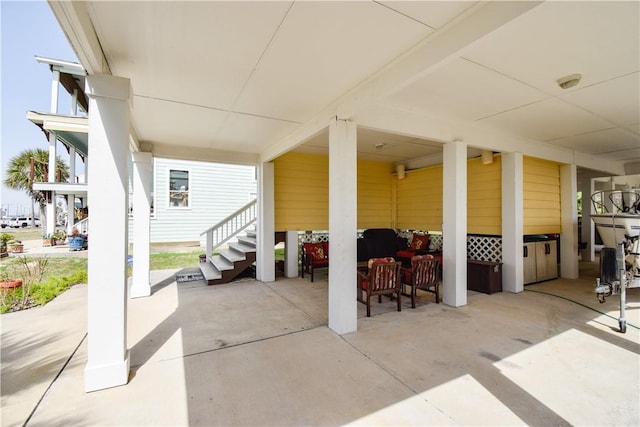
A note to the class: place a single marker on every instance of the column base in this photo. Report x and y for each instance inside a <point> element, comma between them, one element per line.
<point>140,290</point>
<point>106,376</point>
<point>291,257</point>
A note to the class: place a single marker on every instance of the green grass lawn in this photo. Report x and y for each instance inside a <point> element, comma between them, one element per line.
<point>28,233</point>
<point>167,260</point>
<point>43,279</point>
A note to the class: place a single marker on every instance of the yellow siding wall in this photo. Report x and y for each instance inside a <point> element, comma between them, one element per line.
<point>541,202</point>
<point>419,199</point>
<point>484,197</point>
<point>301,196</point>
<point>302,193</point>
<point>375,201</point>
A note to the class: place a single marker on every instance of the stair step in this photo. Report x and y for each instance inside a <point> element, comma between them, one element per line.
<point>248,240</point>
<point>209,271</point>
<point>251,233</point>
<point>231,255</point>
<point>221,263</point>
<point>242,248</point>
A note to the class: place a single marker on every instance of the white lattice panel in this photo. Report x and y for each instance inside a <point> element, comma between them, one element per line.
<point>484,248</point>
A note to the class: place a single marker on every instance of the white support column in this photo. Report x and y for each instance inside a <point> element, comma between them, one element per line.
<point>291,254</point>
<point>55,90</point>
<point>343,192</point>
<point>266,260</point>
<point>50,226</point>
<point>512,223</point>
<point>51,203</point>
<point>71,198</point>
<point>108,356</point>
<point>454,226</point>
<point>140,282</point>
<point>569,215</point>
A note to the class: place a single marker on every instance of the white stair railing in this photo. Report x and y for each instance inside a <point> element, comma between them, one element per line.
<point>230,226</point>
<point>82,225</point>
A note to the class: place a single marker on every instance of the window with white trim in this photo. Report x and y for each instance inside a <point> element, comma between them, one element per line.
<point>178,188</point>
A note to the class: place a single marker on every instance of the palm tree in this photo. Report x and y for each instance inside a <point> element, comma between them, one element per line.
<point>19,175</point>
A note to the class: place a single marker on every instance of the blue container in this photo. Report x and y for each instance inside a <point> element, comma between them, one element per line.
<point>77,243</point>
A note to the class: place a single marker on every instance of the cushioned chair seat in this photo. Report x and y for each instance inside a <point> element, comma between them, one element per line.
<point>314,255</point>
<point>419,246</point>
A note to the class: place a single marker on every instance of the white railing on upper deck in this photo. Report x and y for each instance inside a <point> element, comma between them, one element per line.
<point>230,226</point>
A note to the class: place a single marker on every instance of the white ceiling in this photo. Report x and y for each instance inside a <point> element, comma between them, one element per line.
<point>246,76</point>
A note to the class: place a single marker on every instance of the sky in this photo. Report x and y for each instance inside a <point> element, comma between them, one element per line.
<point>28,28</point>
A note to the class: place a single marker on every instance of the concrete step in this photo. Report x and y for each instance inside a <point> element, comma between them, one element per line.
<point>209,271</point>
<point>221,263</point>
<point>251,233</point>
<point>241,247</point>
<point>248,240</point>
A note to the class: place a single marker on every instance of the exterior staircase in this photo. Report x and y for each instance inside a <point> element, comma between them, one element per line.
<point>236,257</point>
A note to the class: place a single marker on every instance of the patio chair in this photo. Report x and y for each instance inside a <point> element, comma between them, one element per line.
<point>382,278</point>
<point>424,274</point>
<point>419,246</point>
<point>314,255</point>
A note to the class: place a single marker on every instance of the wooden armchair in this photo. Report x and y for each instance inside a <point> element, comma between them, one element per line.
<point>381,279</point>
<point>314,255</point>
<point>424,274</point>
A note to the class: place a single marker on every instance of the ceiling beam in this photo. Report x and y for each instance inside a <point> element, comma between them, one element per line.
<point>420,125</point>
<point>75,21</point>
<point>179,152</point>
<point>434,51</point>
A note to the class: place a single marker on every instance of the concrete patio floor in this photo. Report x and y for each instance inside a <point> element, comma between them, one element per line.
<point>249,353</point>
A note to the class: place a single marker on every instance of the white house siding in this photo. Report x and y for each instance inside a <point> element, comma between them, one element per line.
<point>216,191</point>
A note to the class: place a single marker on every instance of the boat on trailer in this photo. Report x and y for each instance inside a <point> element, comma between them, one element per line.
<point>617,220</point>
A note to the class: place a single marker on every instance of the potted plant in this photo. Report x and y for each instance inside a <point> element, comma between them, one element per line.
<point>48,240</point>
<point>4,239</point>
<point>58,237</point>
<point>15,246</point>
<point>8,283</point>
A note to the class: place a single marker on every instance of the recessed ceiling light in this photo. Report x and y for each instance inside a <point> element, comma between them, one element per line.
<point>569,81</point>
<point>379,146</point>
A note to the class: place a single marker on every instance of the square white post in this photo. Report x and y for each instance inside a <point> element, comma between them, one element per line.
<point>569,215</point>
<point>108,187</point>
<point>266,258</point>
<point>291,254</point>
<point>140,282</point>
<point>343,205</point>
<point>454,225</point>
<point>51,202</point>
<point>50,226</point>
<point>512,223</point>
<point>71,198</point>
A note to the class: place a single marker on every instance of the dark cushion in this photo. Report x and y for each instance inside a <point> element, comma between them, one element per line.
<point>379,234</point>
<point>317,251</point>
<point>419,242</point>
<point>379,243</point>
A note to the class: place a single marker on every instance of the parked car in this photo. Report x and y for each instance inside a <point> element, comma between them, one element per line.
<point>4,223</point>
<point>22,221</point>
